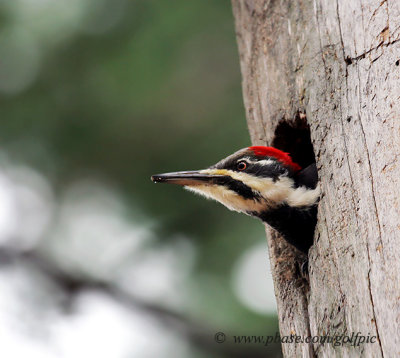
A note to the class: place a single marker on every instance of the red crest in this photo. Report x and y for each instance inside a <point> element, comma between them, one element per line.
<point>283,157</point>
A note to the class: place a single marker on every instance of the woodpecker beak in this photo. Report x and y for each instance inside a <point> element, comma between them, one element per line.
<point>187,178</point>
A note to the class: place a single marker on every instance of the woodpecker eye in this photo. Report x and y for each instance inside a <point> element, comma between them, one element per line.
<point>241,165</point>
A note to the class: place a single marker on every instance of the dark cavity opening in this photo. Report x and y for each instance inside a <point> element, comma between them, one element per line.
<point>293,136</point>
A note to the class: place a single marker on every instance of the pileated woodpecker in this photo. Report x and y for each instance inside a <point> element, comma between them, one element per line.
<point>263,182</point>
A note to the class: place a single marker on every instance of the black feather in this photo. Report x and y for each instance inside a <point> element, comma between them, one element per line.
<point>296,224</point>
<point>307,177</point>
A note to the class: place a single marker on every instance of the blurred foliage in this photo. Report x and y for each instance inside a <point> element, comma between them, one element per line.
<point>122,90</point>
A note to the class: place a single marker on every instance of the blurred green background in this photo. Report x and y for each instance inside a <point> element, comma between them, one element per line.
<point>96,260</point>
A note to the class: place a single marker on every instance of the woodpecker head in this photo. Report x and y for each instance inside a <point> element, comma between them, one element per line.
<point>254,181</point>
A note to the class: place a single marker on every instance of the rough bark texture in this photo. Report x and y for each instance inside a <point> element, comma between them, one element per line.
<point>337,62</point>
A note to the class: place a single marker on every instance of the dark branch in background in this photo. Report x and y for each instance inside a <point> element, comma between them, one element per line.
<point>197,334</point>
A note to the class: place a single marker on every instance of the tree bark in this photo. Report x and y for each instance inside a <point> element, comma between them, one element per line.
<point>336,62</point>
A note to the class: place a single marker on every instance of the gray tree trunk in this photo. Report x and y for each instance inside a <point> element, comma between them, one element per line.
<point>338,63</point>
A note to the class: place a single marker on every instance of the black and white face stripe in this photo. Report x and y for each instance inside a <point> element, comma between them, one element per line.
<point>272,192</point>
<point>261,167</point>
<point>238,187</point>
<point>267,168</point>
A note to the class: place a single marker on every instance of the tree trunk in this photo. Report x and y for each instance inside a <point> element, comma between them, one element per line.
<point>337,63</point>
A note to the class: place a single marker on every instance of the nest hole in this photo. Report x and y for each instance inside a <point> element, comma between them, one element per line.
<point>294,137</point>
